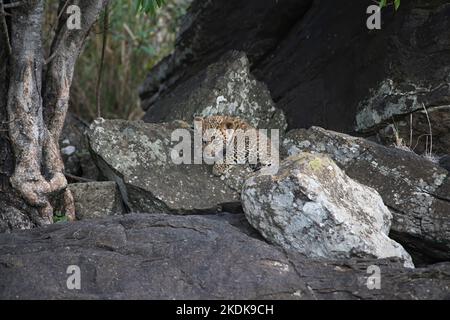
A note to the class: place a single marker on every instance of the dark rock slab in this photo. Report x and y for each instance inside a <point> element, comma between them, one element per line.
<point>75,151</point>
<point>189,257</point>
<point>322,65</point>
<point>212,28</point>
<point>426,133</point>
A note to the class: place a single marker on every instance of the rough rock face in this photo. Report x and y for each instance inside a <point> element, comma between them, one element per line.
<point>212,28</point>
<point>415,189</point>
<point>425,133</point>
<point>15,213</point>
<point>223,88</point>
<point>322,65</point>
<point>172,257</point>
<point>96,199</point>
<point>12,218</point>
<point>312,207</point>
<point>137,156</point>
<point>74,149</point>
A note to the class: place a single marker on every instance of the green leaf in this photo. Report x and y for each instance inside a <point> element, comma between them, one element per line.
<point>383,3</point>
<point>149,6</point>
<point>396,4</point>
<point>59,217</point>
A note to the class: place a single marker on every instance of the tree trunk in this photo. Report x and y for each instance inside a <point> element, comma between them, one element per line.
<point>33,108</point>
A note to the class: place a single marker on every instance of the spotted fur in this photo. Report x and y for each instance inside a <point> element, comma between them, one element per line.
<point>237,141</point>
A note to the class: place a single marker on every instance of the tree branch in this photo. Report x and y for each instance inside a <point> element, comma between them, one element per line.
<point>67,45</point>
<point>65,50</point>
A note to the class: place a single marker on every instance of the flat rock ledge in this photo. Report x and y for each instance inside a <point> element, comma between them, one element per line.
<point>157,256</point>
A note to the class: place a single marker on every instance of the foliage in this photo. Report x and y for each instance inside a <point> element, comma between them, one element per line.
<point>139,36</point>
<point>59,217</point>
<point>384,3</point>
<point>149,6</point>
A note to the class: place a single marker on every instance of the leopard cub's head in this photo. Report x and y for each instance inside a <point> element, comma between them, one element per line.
<point>217,133</point>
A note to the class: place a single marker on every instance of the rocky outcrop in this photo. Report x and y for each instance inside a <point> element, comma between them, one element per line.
<point>414,188</point>
<point>192,257</point>
<point>213,28</point>
<point>96,199</point>
<point>321,63</point>
<point>138,156</point>
<point>312,207</point>
<point>223,88</point>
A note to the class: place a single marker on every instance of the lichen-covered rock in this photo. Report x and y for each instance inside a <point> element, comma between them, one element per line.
<point>415,189</point>
<point>224,88</point>
<point>312,207</point>
<point>137,156</point>
<point>154,256</point>
<point>96,199</point>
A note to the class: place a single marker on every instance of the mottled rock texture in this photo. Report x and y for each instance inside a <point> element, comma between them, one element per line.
<point>96,199</point>
<point>137,156</point>
<point>312,207</point>
<point>172,257</point>
<point>415,189</point>
<point>223,88</point>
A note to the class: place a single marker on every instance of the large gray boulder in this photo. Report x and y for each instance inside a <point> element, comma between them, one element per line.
<point>223,88</point>
<point>137,156</point>
<point>415,189</point>
<point>312,207</point>
<point>154,256</point>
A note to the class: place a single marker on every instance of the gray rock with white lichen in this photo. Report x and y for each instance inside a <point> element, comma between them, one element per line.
<point>137,156</point>
<point>312,207</point>
<point>415,189</point>
<point>223,88</point>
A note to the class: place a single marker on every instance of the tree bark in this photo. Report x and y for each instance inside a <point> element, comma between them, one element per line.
<point>33,106</point>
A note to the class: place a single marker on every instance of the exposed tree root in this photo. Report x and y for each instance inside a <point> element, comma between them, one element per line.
<point>37,104</point>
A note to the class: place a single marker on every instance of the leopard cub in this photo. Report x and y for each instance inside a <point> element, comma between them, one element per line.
<point>230,141</point>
